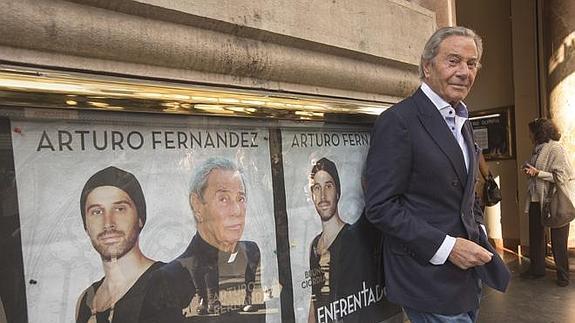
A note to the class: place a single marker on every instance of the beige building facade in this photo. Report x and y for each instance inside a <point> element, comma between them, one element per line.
<point>309,62</point>
<point>342,48</point>
<point>366,51</point>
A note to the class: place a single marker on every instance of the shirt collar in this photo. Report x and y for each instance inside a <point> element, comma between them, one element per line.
<point>440,104</point>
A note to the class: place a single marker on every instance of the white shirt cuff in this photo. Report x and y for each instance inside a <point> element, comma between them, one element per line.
<point>443,252</point>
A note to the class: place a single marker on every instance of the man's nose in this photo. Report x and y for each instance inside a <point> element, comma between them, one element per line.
<point>236,208</point>
<point>463,69</point>
<point>109,220</point>
<point>323,194</point>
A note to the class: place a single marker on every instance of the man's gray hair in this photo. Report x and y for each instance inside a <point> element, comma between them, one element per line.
<point>432,46</point>
<point>199,181</point>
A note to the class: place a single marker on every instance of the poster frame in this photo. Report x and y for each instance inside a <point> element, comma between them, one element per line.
<point>506,128</point>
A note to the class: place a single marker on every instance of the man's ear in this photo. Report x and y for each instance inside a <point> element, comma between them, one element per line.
<point>140,223</point>
<point>426,67</point>
<point>197,207</point>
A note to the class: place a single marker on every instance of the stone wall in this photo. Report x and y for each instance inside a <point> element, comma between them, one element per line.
<point>365,49</point>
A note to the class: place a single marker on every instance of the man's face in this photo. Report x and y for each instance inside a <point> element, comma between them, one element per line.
<point>324,195</point>
<point>221,215</point>
<point>452,72</point>
<point>112,222</point>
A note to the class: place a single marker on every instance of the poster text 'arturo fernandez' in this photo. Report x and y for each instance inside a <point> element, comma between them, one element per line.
<point>82,140</point>
<point>329,139</point>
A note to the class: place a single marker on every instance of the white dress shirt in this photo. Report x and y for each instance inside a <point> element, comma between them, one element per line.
<point>454,119</point>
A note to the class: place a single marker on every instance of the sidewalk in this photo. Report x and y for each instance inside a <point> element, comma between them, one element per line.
<point>529,301</point>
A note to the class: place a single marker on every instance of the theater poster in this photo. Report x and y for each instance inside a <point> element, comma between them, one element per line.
<point>229,247</point>
<point>334,251</point>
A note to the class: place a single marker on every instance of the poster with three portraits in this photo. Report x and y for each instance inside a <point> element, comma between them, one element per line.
<point>175,223</point>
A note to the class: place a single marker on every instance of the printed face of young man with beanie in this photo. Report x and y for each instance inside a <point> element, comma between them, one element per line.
<point>324,195</point>
<point>112,222</point>
<point>325,188</point>
<point>113,210</point>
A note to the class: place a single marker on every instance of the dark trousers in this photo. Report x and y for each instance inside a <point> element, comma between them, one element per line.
<point>559,237</point>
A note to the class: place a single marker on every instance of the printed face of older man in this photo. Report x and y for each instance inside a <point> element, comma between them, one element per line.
<point>324,195</point>
<point>222,212</point>
<point>112,222</point>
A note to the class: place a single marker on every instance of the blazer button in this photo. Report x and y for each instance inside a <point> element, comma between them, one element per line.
<point>454,182</point>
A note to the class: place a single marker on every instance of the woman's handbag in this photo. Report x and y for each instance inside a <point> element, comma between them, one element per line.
<point>560,209</point>
<point>491,192</point>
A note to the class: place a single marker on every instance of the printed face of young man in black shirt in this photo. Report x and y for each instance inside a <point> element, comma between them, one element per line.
<point>112,222</point>
<point>324,195</point>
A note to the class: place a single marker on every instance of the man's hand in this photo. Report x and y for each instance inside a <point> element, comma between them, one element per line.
<point>467,254</point>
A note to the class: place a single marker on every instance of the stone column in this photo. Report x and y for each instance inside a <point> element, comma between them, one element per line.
<point>559,49</point>
<point>444,11</point>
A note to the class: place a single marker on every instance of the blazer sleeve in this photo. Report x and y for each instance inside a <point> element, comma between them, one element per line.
<point>389,168</point>
<point>478,212</point>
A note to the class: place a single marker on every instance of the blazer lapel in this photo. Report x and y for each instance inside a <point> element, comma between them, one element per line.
<point>435,125</point>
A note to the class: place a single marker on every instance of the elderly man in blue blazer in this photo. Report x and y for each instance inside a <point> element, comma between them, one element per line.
<point>421,171</point>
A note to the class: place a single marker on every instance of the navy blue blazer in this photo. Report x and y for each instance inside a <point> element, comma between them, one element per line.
<point>418,190</point>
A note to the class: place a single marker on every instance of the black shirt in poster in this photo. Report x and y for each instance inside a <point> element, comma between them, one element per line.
<point>349,287</point>
<point>227,282</point>
<point>126,309</point>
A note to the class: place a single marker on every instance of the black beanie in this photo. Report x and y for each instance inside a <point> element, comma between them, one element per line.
<point>113,176</point>
<point>329,167</point>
